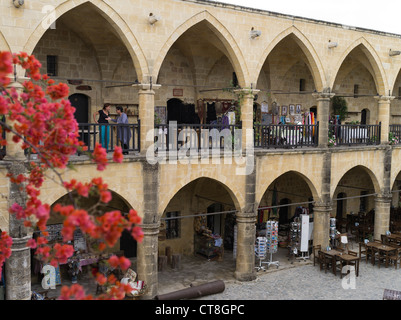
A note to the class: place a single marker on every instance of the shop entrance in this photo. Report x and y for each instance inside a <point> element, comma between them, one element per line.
<point>198,225</point>
<point>287,201</point>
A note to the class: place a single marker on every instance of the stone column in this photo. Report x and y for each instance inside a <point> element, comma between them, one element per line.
<point>246,230</point>
<point>18,271</point>
<point>18,266</point>
<point>245,260</point>
<point>323,113</point>
<point>246,97</point>
<point>321,224</point>
<point>383,105</point>
<point>148,249</point>
<point>382,215</point>
<point>146,113</point>
<point>147,258</point>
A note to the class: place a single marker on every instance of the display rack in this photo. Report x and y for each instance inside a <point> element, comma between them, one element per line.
<point>272,241</point>
<point>261,251</point>
<point>332,231</point>
<point>295,237</point>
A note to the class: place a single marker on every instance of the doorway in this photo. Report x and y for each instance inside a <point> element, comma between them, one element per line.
<point>81,104</point>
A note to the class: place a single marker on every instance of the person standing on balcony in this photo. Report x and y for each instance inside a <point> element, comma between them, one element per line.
<point>123,132</point>
<point>104,129</point>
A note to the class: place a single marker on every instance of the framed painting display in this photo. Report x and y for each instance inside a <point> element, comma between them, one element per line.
<point>298,109</point>
<point>284,110</point>
<point>292,109</point>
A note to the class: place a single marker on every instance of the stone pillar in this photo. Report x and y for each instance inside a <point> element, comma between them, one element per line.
<point>382,215</point>
<point>323,113</point>
<point>148,249</point>
<point>146,113</point>
<point>321,225</point>
<point>383,106</point>
<point>18,266</point>
<point>147,258</point>
<point>246,97</point>
<point>18,271</point>
<point>246,230</point>
<point>245,260</point>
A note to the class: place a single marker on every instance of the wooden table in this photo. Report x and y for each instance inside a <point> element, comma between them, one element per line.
<point>381,247</point>
<point>346,259</point>
<point>394,238</point>
<point>333,253</point>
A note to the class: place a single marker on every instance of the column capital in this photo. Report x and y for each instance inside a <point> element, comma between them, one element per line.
<point>323,95</point>
<point>246,91</point>
<point>150,228</point>
<point>147,87</point>
<point>384,197</point>
<point>383,99</point>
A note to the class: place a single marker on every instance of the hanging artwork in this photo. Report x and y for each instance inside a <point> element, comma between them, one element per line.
<point>298,109</point>
<point>284,110</point>
<point>265,107</point>
<point>292,109</point>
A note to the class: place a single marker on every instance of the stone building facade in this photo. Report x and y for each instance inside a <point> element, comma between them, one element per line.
<point>201,48</point>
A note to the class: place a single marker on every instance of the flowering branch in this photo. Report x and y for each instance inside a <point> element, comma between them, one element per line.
<point>49,129</point>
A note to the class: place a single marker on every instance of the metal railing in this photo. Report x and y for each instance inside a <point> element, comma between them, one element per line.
<point>109,135</point>
<point>395,132</point>
<point>286,136</point>
<point>195,136</point>
<point>351,134</point>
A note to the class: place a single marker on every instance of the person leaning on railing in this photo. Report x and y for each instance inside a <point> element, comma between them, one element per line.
<point>123,132</point>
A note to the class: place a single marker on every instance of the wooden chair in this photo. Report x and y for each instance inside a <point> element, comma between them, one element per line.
<point>384,239</point>
<point>395,257</point>
<point>325,261</point>
<point>350,263</point>
<point>362,250</point>
<point>379,256</point>
<point>316,250</point>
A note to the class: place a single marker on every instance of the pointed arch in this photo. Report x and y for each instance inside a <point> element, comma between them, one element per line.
<point>379,75</point>
<point>107,12</point>
<point>306,47</point>
<point>235,54</point>
<point>346,169</point>
<point>266,184</point>
<point>182,185</point>
<point>4,46</point>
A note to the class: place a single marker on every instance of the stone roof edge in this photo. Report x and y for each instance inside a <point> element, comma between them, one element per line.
<point>291,17</point>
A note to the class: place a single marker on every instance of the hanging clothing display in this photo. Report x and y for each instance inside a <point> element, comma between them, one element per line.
<point>211,113</point>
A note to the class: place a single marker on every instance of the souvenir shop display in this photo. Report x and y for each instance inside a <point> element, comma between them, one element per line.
<point>272,241</point>
<point>205,242</point>
<point>295,238</point>
<point>332,231</point>
<point>261,251</point>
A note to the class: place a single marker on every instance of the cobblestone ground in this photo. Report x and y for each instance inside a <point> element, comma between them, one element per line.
<point>307,282</point>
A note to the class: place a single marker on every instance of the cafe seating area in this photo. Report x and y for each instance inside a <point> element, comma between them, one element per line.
<point>339,259</point>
